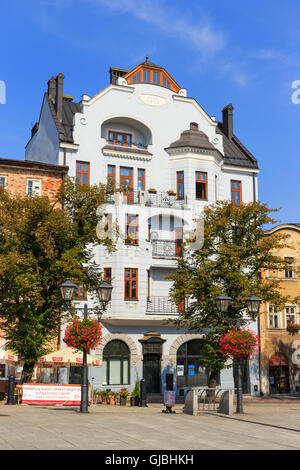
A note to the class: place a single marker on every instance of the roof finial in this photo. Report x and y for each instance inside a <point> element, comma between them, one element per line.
<point>147,58</point>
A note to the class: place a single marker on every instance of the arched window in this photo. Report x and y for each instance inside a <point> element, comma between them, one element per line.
<point>191,371</point>
<point>115,367</point>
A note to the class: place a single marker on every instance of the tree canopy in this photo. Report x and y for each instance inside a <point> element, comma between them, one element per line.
<point>41,245</point>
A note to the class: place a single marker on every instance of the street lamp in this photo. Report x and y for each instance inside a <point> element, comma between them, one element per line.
<point>104,294</point>
<point>253,306</point>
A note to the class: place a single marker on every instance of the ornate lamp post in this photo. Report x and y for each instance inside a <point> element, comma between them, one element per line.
<point>104,295</point>
<point>253,306</point>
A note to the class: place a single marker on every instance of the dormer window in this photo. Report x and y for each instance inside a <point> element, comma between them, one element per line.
<point>137,77</point>
<point>166,83</point>
<point>146,76</point>
<point>156,78</point>
<point>119,138</point>
<point>151,73</point>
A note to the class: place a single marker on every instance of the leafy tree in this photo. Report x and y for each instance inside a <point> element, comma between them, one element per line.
<point>234,253</point>
<point>41,245</point>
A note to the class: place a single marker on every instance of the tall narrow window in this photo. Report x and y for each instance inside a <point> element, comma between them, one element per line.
<point>147,76</point>
<point>141,179</point>
<point>131,284</point>
<point>3,182</point>
<point>126,182</point>
<point>290,315</point>
<point>82,173</point>
<point>111,176</point>
<point>166,83</point>
<point>273,317</point>
<point>137,77</point>
<point>148,284</point>
<point>289,272</point>
<point>132,229</point>
<point>180,184</point>
<point>107,274</point>
<point>156,78</point>
<point>201,186</point>
<point>236,192</point>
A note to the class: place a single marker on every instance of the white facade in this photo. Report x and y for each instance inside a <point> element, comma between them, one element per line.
<point>155,117</point>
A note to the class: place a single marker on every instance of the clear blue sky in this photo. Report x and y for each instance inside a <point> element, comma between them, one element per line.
<point>244,53</point>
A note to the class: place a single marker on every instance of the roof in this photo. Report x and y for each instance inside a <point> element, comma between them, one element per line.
<point>192,138</point>
<point>33,165</point>
<point>235,153</point>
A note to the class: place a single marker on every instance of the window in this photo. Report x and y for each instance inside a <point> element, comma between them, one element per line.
<point>146,76</point>
<point>141,179</point>
<point>34,187</point>
<point>166,83</point>
<point>180,184</point>
<point>119,138</point>
<point>126,183</point>
<point>107,275</point>
<point>236,192</point>
<point>132,229</point>
<point>201,186</point>
<point>2,182</point>
<point>111,176</point>
<point>289,272</point>
<point>131,284</point>
<point>81,293</point>
<point>82,173</point>
<point>290,315</point>
<point>156,78</point>
<point>273,317</point>
<point>191,371</point>
<point>137,77</point>
<point>115,366</point>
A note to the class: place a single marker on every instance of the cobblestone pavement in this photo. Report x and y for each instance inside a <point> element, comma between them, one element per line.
<point>263,426</point>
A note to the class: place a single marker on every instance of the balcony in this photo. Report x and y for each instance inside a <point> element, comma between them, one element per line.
<point>160,304</point>
<point>163,199</point>
<point>166,249</point>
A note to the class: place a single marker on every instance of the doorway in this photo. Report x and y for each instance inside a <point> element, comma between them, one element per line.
<point>152,372</point>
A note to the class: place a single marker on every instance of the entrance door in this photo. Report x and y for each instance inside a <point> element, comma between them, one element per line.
<point>151,372</point>
<point>126,182</point>
<point>279,379</point>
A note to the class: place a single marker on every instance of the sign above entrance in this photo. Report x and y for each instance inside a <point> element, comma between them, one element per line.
<point>278,359</point>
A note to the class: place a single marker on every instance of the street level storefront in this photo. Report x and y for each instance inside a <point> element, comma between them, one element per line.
<point>279,364</point>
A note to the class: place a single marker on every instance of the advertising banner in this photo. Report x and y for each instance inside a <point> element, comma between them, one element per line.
<point>48,394</point>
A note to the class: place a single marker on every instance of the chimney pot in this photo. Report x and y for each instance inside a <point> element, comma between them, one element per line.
<point>59,95</point>
<point>51,89</point>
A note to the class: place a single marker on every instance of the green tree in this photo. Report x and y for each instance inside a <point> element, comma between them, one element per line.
<point>42,244</point>
<point>234,253</point>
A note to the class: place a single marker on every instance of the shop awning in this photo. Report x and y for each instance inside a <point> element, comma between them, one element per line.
<point>66,357</point>
<point>7,356</point>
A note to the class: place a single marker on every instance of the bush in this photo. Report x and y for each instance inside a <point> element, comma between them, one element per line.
<point>136,391</point>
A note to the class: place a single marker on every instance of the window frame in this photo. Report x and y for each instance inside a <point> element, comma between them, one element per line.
<point>5,181</point>
<point>131,224</point>
<point>107,357</point>
<point>234,191</point>
<point>113,176</point>
<point>39,192</point>
<point>291,269</point>
<point>290,314</point>
<point>77,295</point>
<point>178,183</point>
<point>114,139</point>
<point>81,172</point>
<point>131,279</point>
<point>272,313</point>
<point>105,276</point>
<point>201,182</point>
<point>141,179</point>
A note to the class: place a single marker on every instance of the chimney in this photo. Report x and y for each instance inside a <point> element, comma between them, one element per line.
<point>51,89</point>
<point>59,95</point>
<point>228,120</point>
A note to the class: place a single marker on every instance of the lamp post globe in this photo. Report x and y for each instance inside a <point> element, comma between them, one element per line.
<point>67,289</point>
<point>253,305</point>
<point>222,303</point>
<point>104,293</point>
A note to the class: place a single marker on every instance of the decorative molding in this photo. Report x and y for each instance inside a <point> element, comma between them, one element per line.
<point>134,358</point>
<point>152,100</point>
<point>179,341</point>
<point>118,152</point>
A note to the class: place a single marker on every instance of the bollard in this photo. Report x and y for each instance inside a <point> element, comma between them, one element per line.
<point>11,391</point>
<point>143,393</point>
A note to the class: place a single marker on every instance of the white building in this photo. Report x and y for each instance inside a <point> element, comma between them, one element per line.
<point>143,131</point>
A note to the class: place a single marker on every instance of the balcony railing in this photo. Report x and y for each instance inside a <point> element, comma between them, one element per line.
<point>162,304</point>
<point>166,249</point>
<point>163,199</point>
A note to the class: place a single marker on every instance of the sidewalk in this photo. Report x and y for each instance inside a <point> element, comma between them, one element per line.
<point>271,426</point>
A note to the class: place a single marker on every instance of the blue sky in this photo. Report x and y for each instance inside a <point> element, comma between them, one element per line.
<point>234,52</point>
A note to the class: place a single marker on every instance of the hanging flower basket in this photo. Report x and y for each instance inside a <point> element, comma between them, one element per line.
<point>83,334</point>
<point>292,329</point>
<point>238,343</point>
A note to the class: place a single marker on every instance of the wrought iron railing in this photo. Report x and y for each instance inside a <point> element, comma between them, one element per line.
<point>161,304</point>
<point>163,199</point>
<point>166,249</point>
